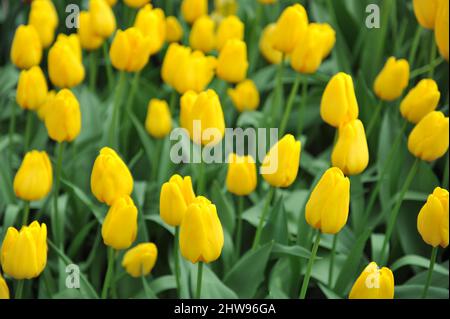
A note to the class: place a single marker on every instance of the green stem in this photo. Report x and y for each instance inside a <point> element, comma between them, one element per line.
<point>92,70</point>
<point>112,136</point>
<point>148,291</point>
<point>301,110</point>
<point>374,119</point>
<point>432,57</point>
<point>414,45</point>
<point>129,108</point>
<point>430,271</point>
<point>19,289</point>
<point>290,103</point>
<point>12,128</point>
<point>28,125</point>
<point>239,225</point>
<point>263,217</point>
<point>172,101</point>
<point>422,70</point>
<point>109,273</point>
<point>108,66</point>
<point>201,175</point>
<point>56,230</point>
<point>26,213</point>
<point>333,252</point>
<point>199,280</point>
<point>309,267</point>
<point>254,34</point>
<point>278,91</point>
<point>156,158</point>
<point>177,260</point>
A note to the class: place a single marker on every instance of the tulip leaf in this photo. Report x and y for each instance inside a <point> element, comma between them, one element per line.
<point>330,294</point>
<point>280,279</point>
<point>80,239</point>
<point>280,250</point>
<point>415,292</point>
<point>276,228</point>
<point>419,261</point>
<point>144,137</point>
<point>212,287</point>
<point>225,209</point>
<point>10,217</point>
<point>163,283</point>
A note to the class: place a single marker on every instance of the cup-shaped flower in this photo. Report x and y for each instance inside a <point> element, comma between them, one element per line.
<point>42,109</point>
<point>176,54</point>
<point>373,283</point>
<point>103,21</point>
<point>31,88</point>
<point>158,122</point>
<point>174,31</point>
<point>267,45</point>
<point>245,96</point>
<point>232,63</point>
<point>152,23</point>
<point>4,290</point>
<point>202,36</point>
<point>44,18</point>
<point>441,28</point>
<point>241,175</point>
<point>392,80</point>
<point>290,28</point>
<point>425,11</point>
<point>136,3</point>
<point>26,48</point>
<point>229,28</point>
<point>140,260</point>
<point>89,40</point>
<point>421,100</point>
<point>193,9</point>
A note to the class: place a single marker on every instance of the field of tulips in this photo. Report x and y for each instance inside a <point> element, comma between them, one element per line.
<point>111,111</point>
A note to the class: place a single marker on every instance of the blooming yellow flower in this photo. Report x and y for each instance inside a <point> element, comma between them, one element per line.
<point>232,63</point>
<point>441,28</point>
<point>158,122</point>
<point>4,290</point>
<point>136,3</point>
<point>140,260</point>
<point>373,283</point>
<point>241,175</point>
<point>152,23</point>
<point>267,45</point>
<point>193,9</point>
<point>103,20</point>
<point>26,48</point>
<point>229,28</point>
<point>44,18</point>
<point>88,39</point>
<point>425,11</point>
<point>290,28</point>
<point>31,88</point>
<point>420,101</point>
<point>392,80</point>
<point>245,96</point>
<point>202,36</point>
<point>174,31</point>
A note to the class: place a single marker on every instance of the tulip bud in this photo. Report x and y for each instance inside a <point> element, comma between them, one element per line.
<point>420,101</point>
<point>26,48</point>
<point>176,195</point>
<point>44,18</point>
<point>327,207</point>
<point>351,153</point>
<point>136,3</point>
<point>129,50</point>
<point>176,54</point>
<point>392,80</point>
<point>152,23</point>
<point>65,67</point>
<point>245,96</point>
<point>201,233</point>
<point>425,11</point>
<point>326,34</point>
<point>158,122</point>
<point>232,63</point>
<point>429,138</point>
<point>88,39</point>
<point>441,28</point>
<point>174,31</point>
<point>206,111</point>
<point>224,8</point>
<point>4,290</point>
<point>432,222</point>
<point>110,177</point>
<point>33,180</point>
<point>202,35</point>
<point>339,105</point>
<point>140,260</point>
<point>280,166</point>
<point>290,28</point>
<point>193,9</point>
<point>373,283</point>
<point>111,2</point>
<point>103,21</point>
<point>241,175</point>
<point>42,110</point>
<point>63,117</point>
<point>267,45</point>
<point>229,28</point>
<point>31,88</point>
<point>120,226</point>
<point>24,252</point>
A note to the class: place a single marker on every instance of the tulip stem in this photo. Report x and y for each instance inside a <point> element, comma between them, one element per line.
<point>19,289</point>
<point>432,56</point>
<point>290,103</point>
<point>309,267</point>
<point>109,273</point>
<point>129,108</point>
<point>201,175</point>
<point>396,209</point>
<point>109,71</point>
<point>56,229</point>
<point>278,91</point>
<point>172,101</point>
<point>177,259</point>
<point>156,158</point>
<point>147,290</point>
<point>301,110</point>
<point>28,125</point>
<point>26,213</point>
<point>333,252</point>
<point>92,70</point>
<point>263,217</point>
<point>239,225</point>
<point>12,128</point>
<point>414,45</point>
<point>430,271</point>
<point>374,119</point>
<point>199,280</point>
<point>112,136</point>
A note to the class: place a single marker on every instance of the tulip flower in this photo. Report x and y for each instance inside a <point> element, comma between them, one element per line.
<point>174,31</point>
<point>420,101</point>
<point>202,36</point>
<point>290,28</point>
<point>441,28</point>
<point>4,290</point>
<point>373,283</point>
<point>327,207</point>
<point>267,1</point>
<point>351,153</point>
<point>44,18</point>
<point>136,3</point>
<point>202,116</point>
<point>103,21</point>
<point>241,175</point>
<point>110,177</point>
<point>140,260</point>
<point>224,8</point>
<point>152,23</point>
<point>245,96</point>
<point>429,138</point>
<point>193,9</point>
<point>119,228</point>
<point>158,122</point>
<point>194,73</point>
<point>42,109</point>
<point>339,105</point>
<point>232,63</point>
<point>33,180</point>
<point>425,11</point>
<point>31,88</point>
<point>326,34</point>
<point>88,39</point>
<point>392,80</point>
<point>26,48</point>
<point>267,45</point>
<point>229,28</point>
<point>63,117</point>
<point>280,166</point>
<point>111,2</point>
<point>175,55</point>
<point>24,252</point>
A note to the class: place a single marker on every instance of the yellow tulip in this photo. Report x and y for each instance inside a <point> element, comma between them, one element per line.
<point>130,50</point>
<point>175,197</point>
<point>351,153</point>
<point>339,105</point>
<point>373,283</point>
<point>290,28</point>
<point>224,8</point>
<point>73,41</point>
<point>4,290</point>
<point>42,110</point>
<point>119,228</point>
<point>420,101</point>
<point>441,28</point>
<point>31,88</point>
<point>194,73</point>
<point>174,31</point>
<point>229,28</point>
<point>159,121</point>
<point>326,34</point>
<point>88,39</point>
<point>232,63</point>
<point>63,117</point>
<point>110,177</point>
<point>241,175</point>
<point>267,1</point>
<point>26,48</point>
<point>136,3</point>
<point>193,9</point>
<point>432,222</point>
<point>24,252</point>
<point>152,23</point>
<point>176,54</point>
<point>280,166</point>
<point>103,21</point>
<point>429,138</point>
<point>392,80</point>
<point>140,260</point>
<point>425,11</point>
<point>328,205</point>
<point>202,116</point>
<point>201,233</point>
<point>245,96</point>
<point>111,2</point>
<point>267,45</point>
<point>44,18</point>
<point>202,35</point>
<point>33,180</point>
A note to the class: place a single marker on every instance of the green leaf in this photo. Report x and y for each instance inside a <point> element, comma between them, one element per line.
<point>225,209</point>
<point>10,217</point>
<point>163,283</point>
<point>280,250</point>
<point>212,287</point>
<point>415,292</point>
<point>419,261</point>
<point>276,226</point>
<point>80,239</point>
